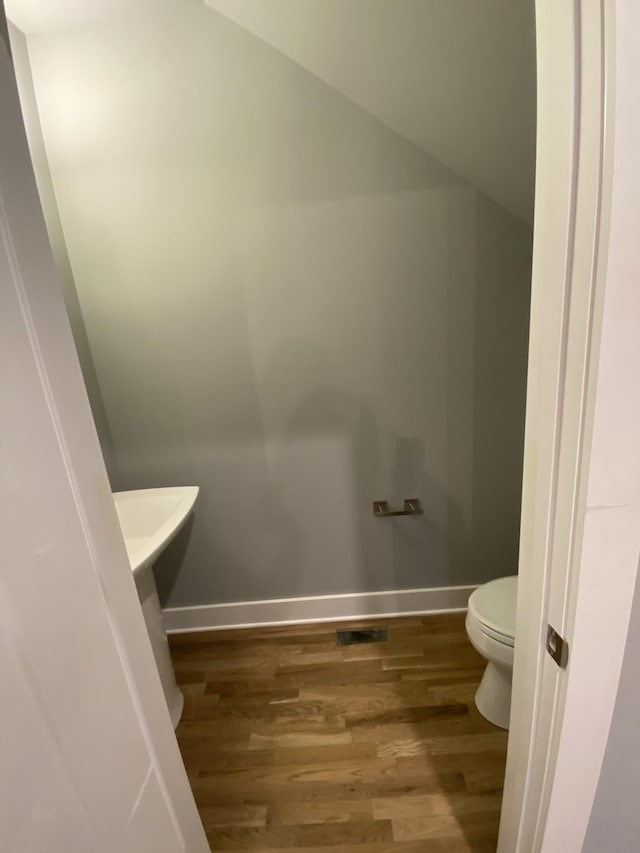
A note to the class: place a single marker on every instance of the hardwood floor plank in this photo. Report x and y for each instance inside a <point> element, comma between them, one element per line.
<point>349,675</point>
<point>301,781</point>
<point>332,848</point>
<point>441,845</point>
<point>408,715</point>
<point>410,747</point>
<point>244,814</point>
<point>335,667</point>
<point>433,676</point>
<point>485,780</point>
<point>458,725</point>
<point>250,691</point>
<point>396,694</point>
<point>300,837</point>
<point>264,790</point>
<point>448,826</point>
<point>319,811</point>
<point>305,756</point>
<point>293,743</point>
<point>423,806</point>
<point>274,741</point>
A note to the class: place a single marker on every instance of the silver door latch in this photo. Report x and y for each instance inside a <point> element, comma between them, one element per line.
<point>557,647</point>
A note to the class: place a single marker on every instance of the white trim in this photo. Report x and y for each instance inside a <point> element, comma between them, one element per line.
<point>599,604</point>
<point>317,608</point>
<point>570,240</point>
<point>572,592</point>
<point>532,708</point>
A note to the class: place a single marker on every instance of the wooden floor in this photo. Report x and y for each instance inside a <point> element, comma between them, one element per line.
<point>293,743</point>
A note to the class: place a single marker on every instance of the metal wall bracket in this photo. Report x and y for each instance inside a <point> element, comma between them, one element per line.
<point>412,506</point>
<point>557,647</point>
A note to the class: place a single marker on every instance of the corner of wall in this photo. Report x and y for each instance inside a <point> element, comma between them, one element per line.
<point>28,102</point>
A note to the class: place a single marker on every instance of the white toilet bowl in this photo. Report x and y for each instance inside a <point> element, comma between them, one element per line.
<point>491,623</point>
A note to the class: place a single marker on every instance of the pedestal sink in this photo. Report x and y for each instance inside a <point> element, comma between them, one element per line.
<point>150,518</point>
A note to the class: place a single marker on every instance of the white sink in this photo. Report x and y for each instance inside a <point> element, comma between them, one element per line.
<point>150,518</point>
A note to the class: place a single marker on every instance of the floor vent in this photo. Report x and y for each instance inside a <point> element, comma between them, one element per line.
<point>363,635</point>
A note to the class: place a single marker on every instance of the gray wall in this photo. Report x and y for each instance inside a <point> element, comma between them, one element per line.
<point>290,305</point>
<point>615,819</point>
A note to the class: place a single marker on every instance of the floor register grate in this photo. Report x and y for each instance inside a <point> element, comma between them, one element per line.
<point>363,635</point>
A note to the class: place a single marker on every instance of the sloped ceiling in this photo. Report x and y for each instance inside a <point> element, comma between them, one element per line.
<point>456,77</point>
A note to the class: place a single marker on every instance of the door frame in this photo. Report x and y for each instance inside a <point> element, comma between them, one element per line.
<point>547,803</point>
<point>33,300</point>
<point>573,187</point>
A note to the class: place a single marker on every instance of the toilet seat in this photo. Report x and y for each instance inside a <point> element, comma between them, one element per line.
<point>493,609</point>
<point>495,635</point>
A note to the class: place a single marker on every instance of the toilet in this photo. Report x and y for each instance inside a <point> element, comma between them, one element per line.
<point>491,624</point>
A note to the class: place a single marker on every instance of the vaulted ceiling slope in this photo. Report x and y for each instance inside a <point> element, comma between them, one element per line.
<point>456,77</point>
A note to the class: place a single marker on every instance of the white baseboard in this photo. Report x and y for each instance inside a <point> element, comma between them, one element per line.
<point>317,608</point>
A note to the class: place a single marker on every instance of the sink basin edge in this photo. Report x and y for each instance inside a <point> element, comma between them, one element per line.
<point>151,518</point>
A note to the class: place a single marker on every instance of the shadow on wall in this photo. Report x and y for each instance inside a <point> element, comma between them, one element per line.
<point>168,564</point>
<point>501,342</point>
<point>441,536</point>
<point>329,455</point>
<point>324,451</point>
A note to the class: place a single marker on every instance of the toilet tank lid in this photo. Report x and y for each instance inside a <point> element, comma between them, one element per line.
<point>494,604</point>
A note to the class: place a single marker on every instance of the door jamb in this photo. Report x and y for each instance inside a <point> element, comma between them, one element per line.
<point>573,189</point>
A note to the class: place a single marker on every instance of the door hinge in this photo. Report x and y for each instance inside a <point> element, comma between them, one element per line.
<point>557,647</point>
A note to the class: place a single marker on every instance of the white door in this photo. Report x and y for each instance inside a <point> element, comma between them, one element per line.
<point>580,536</point>
<point>88,759</point>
